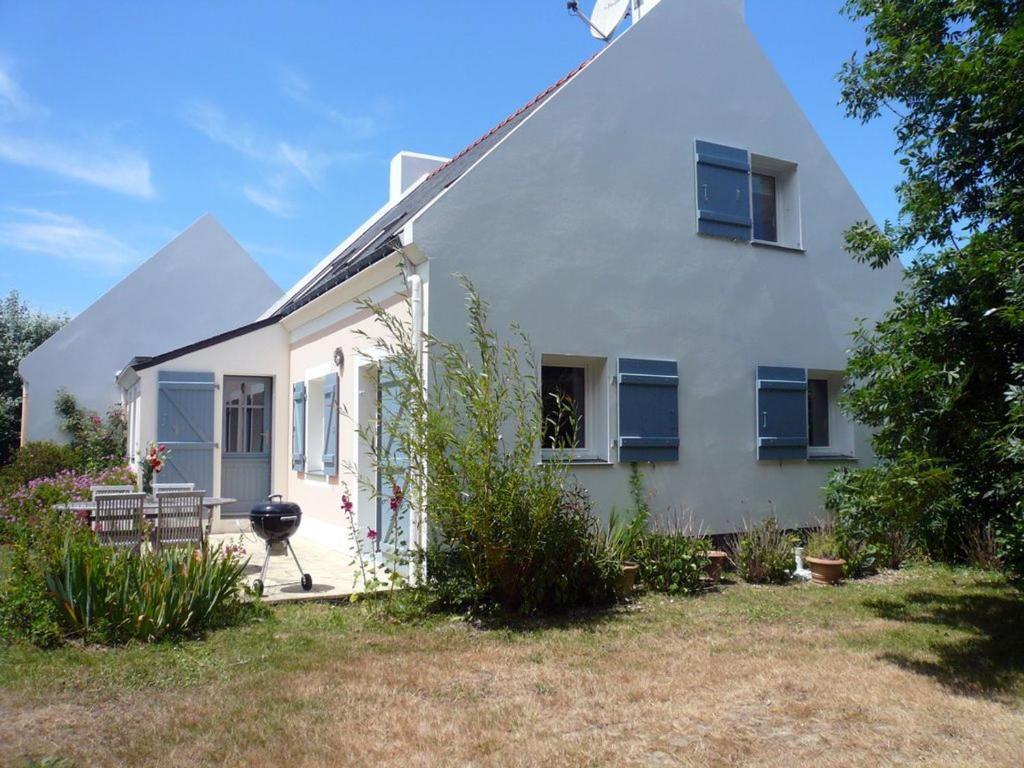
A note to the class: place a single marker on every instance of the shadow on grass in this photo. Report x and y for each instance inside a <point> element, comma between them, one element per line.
<point>975,639</point>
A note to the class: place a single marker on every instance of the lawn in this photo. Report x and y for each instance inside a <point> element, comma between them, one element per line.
<point>924,666</point>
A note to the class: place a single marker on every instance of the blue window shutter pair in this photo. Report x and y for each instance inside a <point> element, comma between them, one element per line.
<point>781,413</point>
<point>331,425</point>
<point>185,406</point>
<point>648,410</point>
<point>723,191</point>
<point>299,426</point>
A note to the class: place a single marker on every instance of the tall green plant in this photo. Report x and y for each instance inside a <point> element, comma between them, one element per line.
<point>115,595</point>
<point>472,428</point>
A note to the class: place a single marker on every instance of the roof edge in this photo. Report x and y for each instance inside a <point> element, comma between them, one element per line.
<point>141,363</point>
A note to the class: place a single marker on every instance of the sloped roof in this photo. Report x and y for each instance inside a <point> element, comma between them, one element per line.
<point>382,235</point>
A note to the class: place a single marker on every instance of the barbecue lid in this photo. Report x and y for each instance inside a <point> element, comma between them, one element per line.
<point>278,507</point>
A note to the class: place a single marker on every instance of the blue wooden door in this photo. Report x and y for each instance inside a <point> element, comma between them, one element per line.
<point>185,405</point>
<point>245,452</point>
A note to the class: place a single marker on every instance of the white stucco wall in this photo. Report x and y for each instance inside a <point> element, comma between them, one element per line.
<point>263,352</point>
<point>200,284</point>
<point>581,227</point>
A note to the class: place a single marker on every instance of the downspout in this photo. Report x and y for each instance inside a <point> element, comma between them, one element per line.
<point>23,436</point>
<point>414,283</point>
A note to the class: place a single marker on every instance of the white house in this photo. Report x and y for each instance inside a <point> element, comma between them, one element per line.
<point>666,226</point>
<point>175,296</point>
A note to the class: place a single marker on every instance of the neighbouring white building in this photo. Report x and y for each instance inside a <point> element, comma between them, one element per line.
<point>201,283</point>
<point>665,225</point>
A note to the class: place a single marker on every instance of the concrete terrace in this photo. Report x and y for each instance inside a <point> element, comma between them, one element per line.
<point>333,576</point>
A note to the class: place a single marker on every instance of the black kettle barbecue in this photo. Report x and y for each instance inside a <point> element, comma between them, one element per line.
<point>274,521</point>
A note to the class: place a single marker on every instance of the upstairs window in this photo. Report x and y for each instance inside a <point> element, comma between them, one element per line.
<point>763,200</point>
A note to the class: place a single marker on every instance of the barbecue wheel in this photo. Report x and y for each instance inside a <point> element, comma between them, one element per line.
<point>257,587</point>
<point>307,582</point>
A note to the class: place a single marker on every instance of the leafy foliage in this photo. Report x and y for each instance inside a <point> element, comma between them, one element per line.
<point>764,553</point>
<point>672,561</point>
<point>37,459</point>
<point>100,442</point>
<point>21,331</point>
<point>113,596</point>
<point>939,377</point>
<point>895,509</point>
<point>507,529</point>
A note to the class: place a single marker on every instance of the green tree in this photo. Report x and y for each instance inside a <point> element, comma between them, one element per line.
<point>939,376</point>
<point>21,331</point>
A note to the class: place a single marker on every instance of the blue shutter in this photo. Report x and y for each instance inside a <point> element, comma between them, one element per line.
<point>723,191</point>
<point>648,410</point>
<point>185,405</point>
<point>781,413</point>
<point>331,425</point>
<point>299,426</point>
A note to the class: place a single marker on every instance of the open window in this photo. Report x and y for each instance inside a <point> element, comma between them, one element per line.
<point>829,431</point>
<point>775,202</point>
<point>574,393</point>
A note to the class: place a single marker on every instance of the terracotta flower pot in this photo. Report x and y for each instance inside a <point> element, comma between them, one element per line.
<point>824,570</point>
<point>627,579</point>
<point>716,563</point>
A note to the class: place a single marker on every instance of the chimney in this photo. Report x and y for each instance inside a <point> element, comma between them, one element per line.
<point>407,168</point>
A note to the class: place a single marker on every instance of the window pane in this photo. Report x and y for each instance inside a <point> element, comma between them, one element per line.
<point>563,388</point>
<point>231,429</point>
<point>764,207</point>
<point>254,429</point>
<point>817,412</point>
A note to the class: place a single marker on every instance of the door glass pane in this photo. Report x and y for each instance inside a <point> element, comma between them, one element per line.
<point>254,430</point>
<point>563,390</point>
<point>817,412</point>
<point>231,430</point>
<point>763,187</point>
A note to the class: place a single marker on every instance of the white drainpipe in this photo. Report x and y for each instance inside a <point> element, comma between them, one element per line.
<point>415,285</point>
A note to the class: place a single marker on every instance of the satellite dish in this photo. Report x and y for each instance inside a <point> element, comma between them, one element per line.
<point>606,16</point>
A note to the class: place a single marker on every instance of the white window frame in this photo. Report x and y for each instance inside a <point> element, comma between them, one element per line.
<point>596,407</point>
<point>840,428</point>
<point>314,435</point>
<point>788,217</point>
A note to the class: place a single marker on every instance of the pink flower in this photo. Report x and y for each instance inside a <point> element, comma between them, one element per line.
<point>346,504</point>
<point>396,497</point>
<point>371,534</point>
<point>96,420</point>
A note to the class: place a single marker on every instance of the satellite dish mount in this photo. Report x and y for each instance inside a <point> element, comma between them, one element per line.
<point>604,19</point>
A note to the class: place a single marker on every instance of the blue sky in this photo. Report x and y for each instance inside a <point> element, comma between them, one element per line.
<point>120,124</point>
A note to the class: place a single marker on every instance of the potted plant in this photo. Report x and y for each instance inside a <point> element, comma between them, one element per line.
<point>822,555</point>
<point>620,542</point>
<point>716,563</point>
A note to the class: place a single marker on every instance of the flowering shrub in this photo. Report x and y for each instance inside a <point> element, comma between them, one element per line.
<point>32,533</point>
<point>375,568</point>
<point>100,442</point>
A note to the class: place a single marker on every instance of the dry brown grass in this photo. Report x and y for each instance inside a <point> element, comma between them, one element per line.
<point>752,676</point>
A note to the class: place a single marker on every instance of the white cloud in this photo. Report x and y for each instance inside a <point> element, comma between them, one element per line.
<point>281,160</point>
<point>269,201</point>
<point>121,171</point>
<point>211,121</point>
<point>64,237</point>
<point>115,169</point>
<point>14,103</point>
<point>297,88</point>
